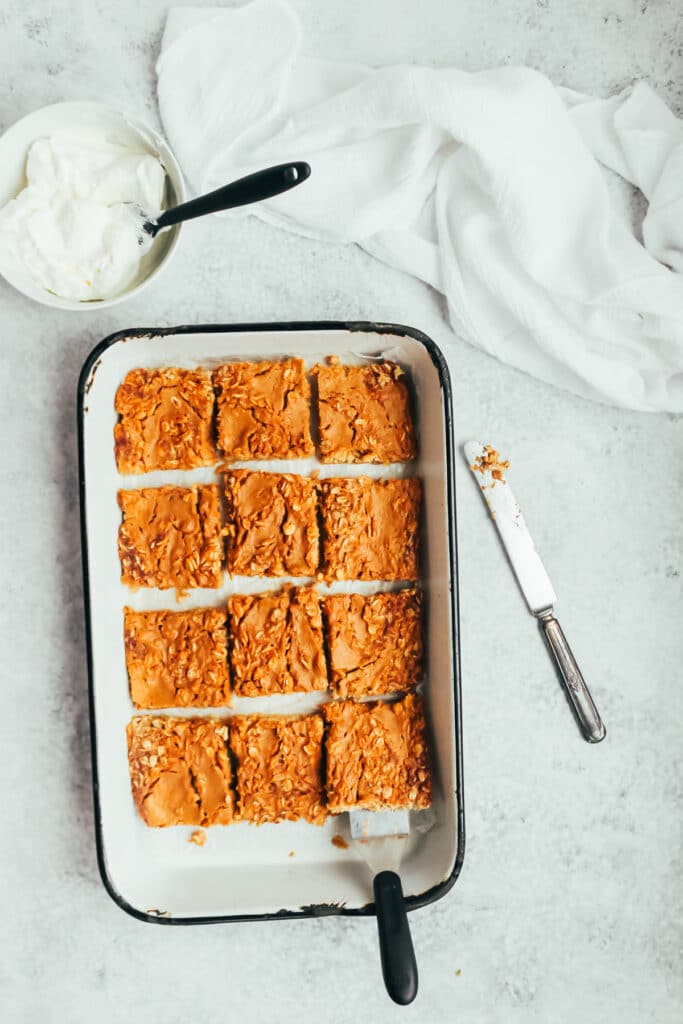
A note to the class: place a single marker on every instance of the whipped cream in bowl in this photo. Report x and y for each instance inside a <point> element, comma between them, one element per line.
<point>73,180</point>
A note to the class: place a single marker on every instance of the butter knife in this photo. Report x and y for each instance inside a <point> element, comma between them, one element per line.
<point>534,582</point>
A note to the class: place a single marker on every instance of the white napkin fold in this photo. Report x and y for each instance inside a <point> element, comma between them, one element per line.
<point>488,186</point>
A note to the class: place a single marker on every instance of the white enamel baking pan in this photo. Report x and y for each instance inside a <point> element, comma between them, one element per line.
<point>292,869</point>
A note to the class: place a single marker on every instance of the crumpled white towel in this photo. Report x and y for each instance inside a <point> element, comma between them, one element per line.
<point>488,186</point>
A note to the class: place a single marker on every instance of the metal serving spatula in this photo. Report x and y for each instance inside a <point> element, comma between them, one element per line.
<point>533,580</point>
<point>380,838</point>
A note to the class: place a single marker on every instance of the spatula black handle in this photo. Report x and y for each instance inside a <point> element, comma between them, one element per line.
<point>399,967</point>
<point>255,187</point>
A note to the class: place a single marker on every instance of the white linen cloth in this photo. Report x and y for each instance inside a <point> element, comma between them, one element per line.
<point>488,186</point>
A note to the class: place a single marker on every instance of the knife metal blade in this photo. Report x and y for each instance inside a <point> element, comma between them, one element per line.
<point>534,582</point>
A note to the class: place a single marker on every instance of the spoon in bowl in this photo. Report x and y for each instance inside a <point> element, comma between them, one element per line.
<point>252,189</point>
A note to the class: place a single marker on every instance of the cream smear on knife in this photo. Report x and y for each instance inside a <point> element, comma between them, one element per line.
<point>73,226</point>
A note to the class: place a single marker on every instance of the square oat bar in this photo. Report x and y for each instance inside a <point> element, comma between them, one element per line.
<point>171,537</point>
<point>277,642</point>
<point>180,770</point>
<point>370,528</point>
<point>279,768</point>
<point>177,659</point>
<point>364,414</point>
<point>165,420</point>
<point>374,642</point>
<point>272,524</point>
<point>263,410</point>
<point>377,755</point>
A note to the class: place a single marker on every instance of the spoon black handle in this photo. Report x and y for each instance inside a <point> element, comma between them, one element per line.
<point>261,185</point>
<point>399,967</point>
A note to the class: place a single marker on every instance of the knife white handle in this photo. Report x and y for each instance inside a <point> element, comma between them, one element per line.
<point>589,719</point>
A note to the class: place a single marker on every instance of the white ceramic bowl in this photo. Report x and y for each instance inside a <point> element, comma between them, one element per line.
<point>101,121</point>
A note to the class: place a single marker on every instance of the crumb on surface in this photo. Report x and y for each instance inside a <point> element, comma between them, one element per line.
<point>292,853</point>
<point>339,841</point>
<point>198,837</point>
<point>490,462</point>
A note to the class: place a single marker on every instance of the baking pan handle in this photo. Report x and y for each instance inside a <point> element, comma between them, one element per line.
<point>399,968</point>
<point>586,712</point>
<point>252,189</point>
